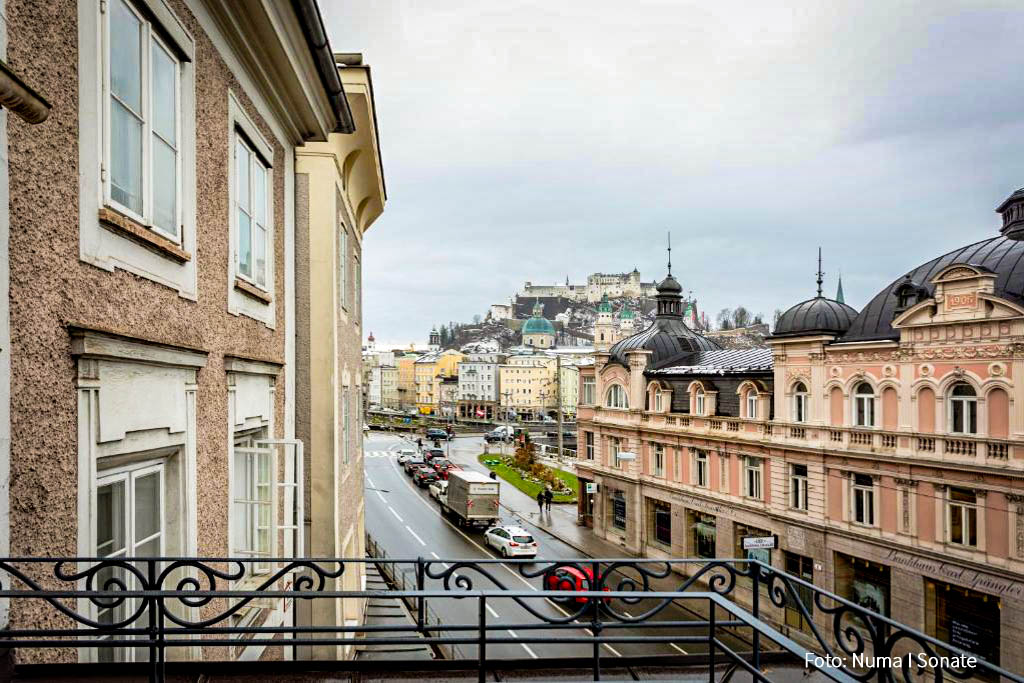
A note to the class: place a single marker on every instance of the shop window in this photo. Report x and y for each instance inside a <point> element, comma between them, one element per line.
<point>752,478</point>
<point>962,518</point>
<point>798,487</point>
<point>963,409</point>
<point>661,522</point>
<point>617,501</point>
<point>704,535</point>
<point>803,568</point>
<point>799,402</point>
<point>963,618</point>
<point>863,499</point>
<point>700,468</point>
<point>863,582</point>
<point>864,405</point>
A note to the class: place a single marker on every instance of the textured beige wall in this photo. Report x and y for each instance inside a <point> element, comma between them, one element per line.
<point>50,287</point>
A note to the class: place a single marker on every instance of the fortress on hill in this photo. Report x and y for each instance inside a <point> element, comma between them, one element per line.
<point>599,285</point>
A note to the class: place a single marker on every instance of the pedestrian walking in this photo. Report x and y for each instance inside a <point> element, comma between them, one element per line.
<point>548,496</point>
<point>540,502</point>
<point>419,444</point>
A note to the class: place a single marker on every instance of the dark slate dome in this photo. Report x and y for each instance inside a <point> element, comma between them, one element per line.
<point>1000,255</point>
<point>815,316</point>
<point>669,339</point>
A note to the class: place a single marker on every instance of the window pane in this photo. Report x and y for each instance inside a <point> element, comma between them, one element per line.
<point>261,255</point>
<point>110,519</point>
<point>259,193</point>
<point>958,416</point>
<point>147,506</point>
<point>956,524</point>
<point>242,156</point>
<point>165,187</point>
<point>164,94</point>
<point>126,56</point>
<point>972,415</point>
<point>972,526</point>
<point>125,157</point>
<point>244,244</point>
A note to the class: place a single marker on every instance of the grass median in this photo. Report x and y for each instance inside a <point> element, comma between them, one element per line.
<point>531,488</point>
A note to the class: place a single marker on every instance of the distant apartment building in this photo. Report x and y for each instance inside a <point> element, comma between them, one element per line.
<point>875,453</point>
<point>528,387</point>
<point>406,387</point>
<point>152,355</point>
<point>479,386</point>
<point>430,370</point>
<point>383,387</point>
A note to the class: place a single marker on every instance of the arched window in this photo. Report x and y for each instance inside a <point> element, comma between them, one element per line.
<point>698,402</point>
<point>616,397</point>
<point>864,405</point>
<point>751,404</point>
<point>963,409</point>
<point>799,402</point>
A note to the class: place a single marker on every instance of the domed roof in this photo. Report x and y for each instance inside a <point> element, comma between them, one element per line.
<point>669,340</point>
<point>815,316</point>
<point>538,326</point>
<point>1002,256</point>
<point>670,286</point>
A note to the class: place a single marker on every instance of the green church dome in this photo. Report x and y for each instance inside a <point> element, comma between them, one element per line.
<point>538,324</point>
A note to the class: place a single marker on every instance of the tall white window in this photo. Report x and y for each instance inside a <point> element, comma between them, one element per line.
<point>129,523</point>
<point>798,487</point>
<point>251,208</point>
<point>658,401</point>
<point>963,409</point>
<point>864,405</point>
<point>863,500</point>
<point>800,402</point>
<point>752,478</point>
<point>252,498</point>
<point>700,468</point>
<point>698,402</point>
<point>659,460</point>
<point>142,135</point>
<point>751,405</point>
<point>589,385</point>
<point>616,397</point>
<point>590,445</point>
<point>962,518</point>
<point>613,446</point>
<point>342,264</point>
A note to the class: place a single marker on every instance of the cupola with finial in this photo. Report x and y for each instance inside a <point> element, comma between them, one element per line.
<point>816,316</point>
<point>1012,211</point>
<point>669,291</point>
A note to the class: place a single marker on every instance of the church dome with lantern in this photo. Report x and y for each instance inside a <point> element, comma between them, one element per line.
<point>538,330</point>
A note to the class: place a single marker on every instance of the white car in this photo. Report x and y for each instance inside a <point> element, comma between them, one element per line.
<point>405,454</point>
<point>437,488</point>
<point>511,541</point>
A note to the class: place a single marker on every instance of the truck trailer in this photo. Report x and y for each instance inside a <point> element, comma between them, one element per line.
<point>471,498</point>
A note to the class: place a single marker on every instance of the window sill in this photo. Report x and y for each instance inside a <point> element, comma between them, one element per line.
<point>121,225</point>
<point>253,291</point>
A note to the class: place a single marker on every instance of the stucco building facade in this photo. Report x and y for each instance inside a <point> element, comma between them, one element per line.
<point>881,447</point>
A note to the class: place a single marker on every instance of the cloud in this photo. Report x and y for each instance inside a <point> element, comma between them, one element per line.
<point>531,141</point>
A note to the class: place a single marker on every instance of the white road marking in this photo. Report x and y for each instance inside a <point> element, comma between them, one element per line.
<point>379,494</point>
<point>612,650</point>
<point>491,610</point>
<point>525,646</point>
<point>407,528</point>
<point>370,482</point>
<point>679,648</point>
<point>396,514</point>
<point>628,615</point>
<point>438,557</point>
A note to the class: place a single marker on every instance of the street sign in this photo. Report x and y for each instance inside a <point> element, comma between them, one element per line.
<point>626,455</point>
<point>591,487</point>
<point>760,542</point>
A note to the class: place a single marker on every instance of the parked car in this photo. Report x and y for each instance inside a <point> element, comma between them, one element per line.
<point>574,580</point>
<point>438,488</point>
<point>511,541</point>
<point>436,434</point>
<point>413,462</point>
<point>424,476</point>
<point>405,454</point>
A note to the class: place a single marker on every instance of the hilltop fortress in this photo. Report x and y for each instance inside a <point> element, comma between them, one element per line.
<point>599,285</point>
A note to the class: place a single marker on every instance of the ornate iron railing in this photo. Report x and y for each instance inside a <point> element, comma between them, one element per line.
<point>114,606</point>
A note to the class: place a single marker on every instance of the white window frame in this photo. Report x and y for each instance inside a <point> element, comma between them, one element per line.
<point>658,400</point>
<point>343,258</point>
<point>658,457</point>
<point>699,402</point>
<point>149,37</point>
<point>862,502</point>
<point>616,397</point>
<point>864,404</point>
<point>969,512</point>
<point>256,165</point>
<point>800,403</point>
<point>614,445</point>
<point>751,405</point>
<point>246,450</point>
<point>753,478</point>
<point>963,404</point>
<point>701,473</point>
<point>588,442</point>
<point>798,487</point>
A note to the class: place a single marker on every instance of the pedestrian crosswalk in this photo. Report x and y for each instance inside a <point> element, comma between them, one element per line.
<point>379,454</point>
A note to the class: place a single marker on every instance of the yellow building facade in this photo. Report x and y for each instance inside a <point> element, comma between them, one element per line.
<point>339,193</point>
<point>428,372</point>
<point>528,386</point>
<point>406,371</point>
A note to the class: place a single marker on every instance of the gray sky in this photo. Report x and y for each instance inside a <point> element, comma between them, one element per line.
<point>530,141</point>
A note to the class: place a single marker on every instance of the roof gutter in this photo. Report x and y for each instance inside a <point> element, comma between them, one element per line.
<point>17,96</point>
<point>312,24</point>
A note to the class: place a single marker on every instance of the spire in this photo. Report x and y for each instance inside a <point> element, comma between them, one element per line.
<point>670,253</point>
<point>839,290</point>
<point>821,275</point>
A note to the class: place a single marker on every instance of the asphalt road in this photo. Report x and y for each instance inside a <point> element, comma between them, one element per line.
<point>407,523</point>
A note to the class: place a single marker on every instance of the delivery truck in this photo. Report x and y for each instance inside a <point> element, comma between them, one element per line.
<point>471,498</point>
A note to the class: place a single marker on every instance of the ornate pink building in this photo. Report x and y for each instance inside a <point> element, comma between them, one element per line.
<point>880,450</point>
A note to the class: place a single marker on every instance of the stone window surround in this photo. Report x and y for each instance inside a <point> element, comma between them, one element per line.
<point>108,239</point>
<point>942,495</point>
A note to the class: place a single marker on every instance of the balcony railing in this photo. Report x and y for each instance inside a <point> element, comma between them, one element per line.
<point>149,606</point>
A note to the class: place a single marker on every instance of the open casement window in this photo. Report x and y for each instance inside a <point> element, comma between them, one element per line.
<point>141,172</point>
<point>129,524</point>
<point>963,409</point>
<point>251,209</point>
<point>799,402</point>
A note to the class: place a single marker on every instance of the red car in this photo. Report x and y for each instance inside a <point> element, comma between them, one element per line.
<point>573,579</point>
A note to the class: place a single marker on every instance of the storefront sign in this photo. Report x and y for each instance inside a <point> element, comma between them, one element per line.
<point>700,504</point>
<point>760,542</point>
<point>591,487</point>
<point>963,576</point>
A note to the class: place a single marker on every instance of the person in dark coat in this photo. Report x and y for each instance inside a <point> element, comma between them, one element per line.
<point>540,502</point>
<point>548,497</point>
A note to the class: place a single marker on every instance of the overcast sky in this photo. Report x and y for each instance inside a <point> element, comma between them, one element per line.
<point>535,140</point>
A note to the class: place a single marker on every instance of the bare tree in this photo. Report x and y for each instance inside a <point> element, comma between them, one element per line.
<point>741,317</point>
<point>775,318</point>
<point>476,319</point>
<point>724,319</point>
